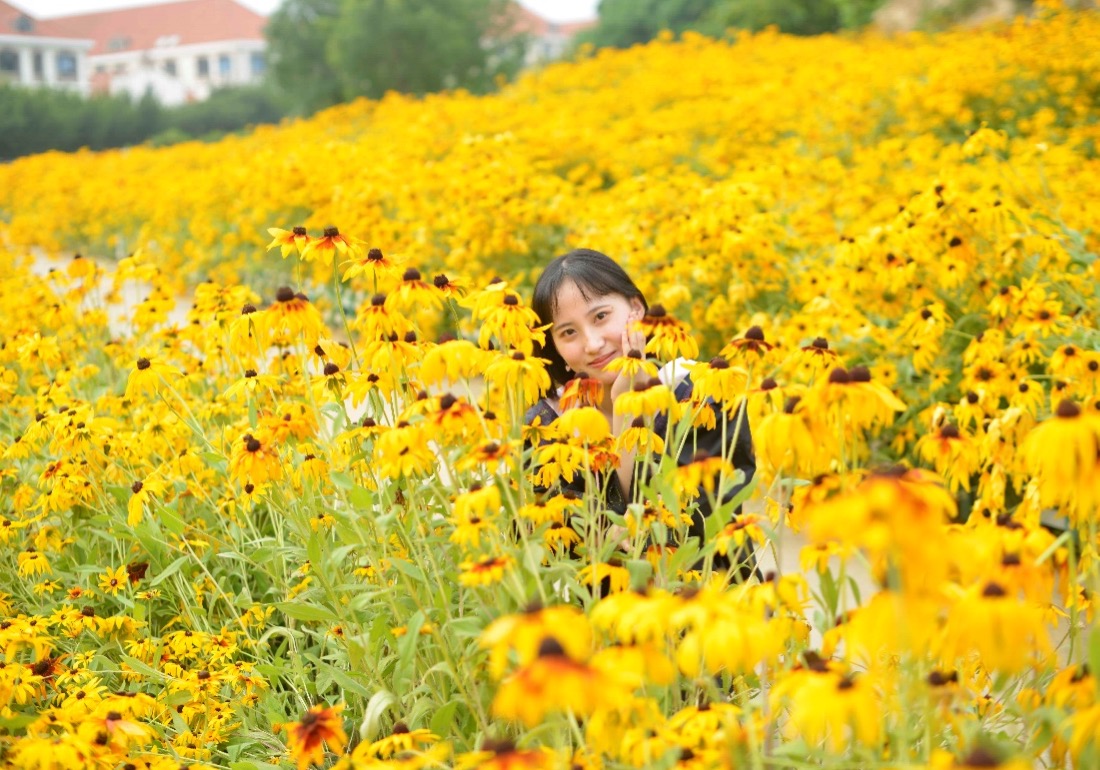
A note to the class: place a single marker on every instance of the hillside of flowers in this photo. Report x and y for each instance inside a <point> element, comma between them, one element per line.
<point>268,498</point>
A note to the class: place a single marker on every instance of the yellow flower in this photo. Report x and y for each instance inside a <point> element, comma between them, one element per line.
<point>142,494</point>
<point>402,739</point>
<point>1064,455</point>
<point>306,737</point>
<point>114,580</point>
<point>331,244</point>
<point>296,239</point>
<point>484,572</point>
<point>254,460</point>
<point>555,682</point>
<point>521,634</point>
<point>148,374</point>
<point>518,374</point>
<point>826,705</point>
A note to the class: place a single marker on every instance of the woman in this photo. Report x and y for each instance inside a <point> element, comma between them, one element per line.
<point>592,307</point>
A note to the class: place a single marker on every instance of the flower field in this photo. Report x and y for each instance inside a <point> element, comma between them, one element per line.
<point>287,513</point>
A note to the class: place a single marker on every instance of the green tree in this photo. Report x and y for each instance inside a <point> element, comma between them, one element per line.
<point>298,37</point>
<point>624,23</point>
<point>795,17</point>
<point>327,51</point>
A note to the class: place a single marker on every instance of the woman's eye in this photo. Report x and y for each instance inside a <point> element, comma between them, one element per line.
<point>601,315</point>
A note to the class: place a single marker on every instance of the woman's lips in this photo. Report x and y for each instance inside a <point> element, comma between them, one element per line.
<point>601,361</point>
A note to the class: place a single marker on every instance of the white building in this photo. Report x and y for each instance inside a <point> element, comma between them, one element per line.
<point>32,56</point>
<point>546,40</point>
<point>180,50</point>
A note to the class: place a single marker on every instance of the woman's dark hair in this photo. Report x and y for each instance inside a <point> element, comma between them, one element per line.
<point>595,274</point>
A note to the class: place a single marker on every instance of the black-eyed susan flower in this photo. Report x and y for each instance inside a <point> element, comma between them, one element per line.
<point>413,292</point>
<point>604,577</point>
<point>330,245</point>
<point>830,706</point>
<point>295,239</point>
<point>751,349</point>
<point>147,375</point>
<point>633,365</point>
<point>666,337</point>
<point>518,377</point>
<point>254,460</point>
<point>1063,453</point>
<point>555,682</point>
<point>292,317</point>
<point>453,362</point>
<point>717,380</point>
<point>521,634</point>
<point>142,493</point>
<point>507,320</point>
<point>306,738</point>
<point>403,452</point>
<point>639,439</point>
<point>485,571</point>
<point>400,740</point>
<point>375,264</point>
<point>581,390</point>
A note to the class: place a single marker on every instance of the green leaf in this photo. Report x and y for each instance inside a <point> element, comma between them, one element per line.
<point>143,668</point>
<point>169,571</point>
<point>1061,540</point>
<point>214,460</point>
<point>640,571</point>
<point>345,680</point>
<point>376,707</point>
<point>362,498</point>
<point>171,520</point>
<point>1094,652</point>
<point>307,612</point>
<point>409,569</point>
<point>253,765</point>
<point>17,723</point>
<point>443,718</point>
<point>342,480</point>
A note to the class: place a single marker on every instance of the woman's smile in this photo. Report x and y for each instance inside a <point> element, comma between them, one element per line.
<point>603,360</point>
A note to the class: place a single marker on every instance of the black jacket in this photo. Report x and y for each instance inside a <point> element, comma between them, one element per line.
<point>705,440</point>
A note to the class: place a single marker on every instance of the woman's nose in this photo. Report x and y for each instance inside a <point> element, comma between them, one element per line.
<point>593,343</point>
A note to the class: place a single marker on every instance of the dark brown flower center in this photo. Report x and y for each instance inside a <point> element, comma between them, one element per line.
<point>1067,409</point>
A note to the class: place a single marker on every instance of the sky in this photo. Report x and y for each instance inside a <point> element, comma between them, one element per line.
<point>553,10</point>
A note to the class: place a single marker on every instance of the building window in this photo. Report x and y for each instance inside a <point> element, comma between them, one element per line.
<point>225,65</point>
<point>38,61</point>
<point>258,62</point>
<point>202,67</point>
<point>100,69</point>
<point>170,66</point>
<point>24,23</point>
<point>119,69</point>
<point>9,63</point>
<point>118,44</point>
<point>66,65</point>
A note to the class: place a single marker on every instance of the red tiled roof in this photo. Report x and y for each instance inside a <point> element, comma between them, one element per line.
<point>570,28</point>
<point>138,29</point>
<point>524,21</point>
<point>9,15</point>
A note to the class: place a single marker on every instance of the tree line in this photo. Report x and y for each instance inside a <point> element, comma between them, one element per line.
<point>36,120</point>
<point>324,52</point>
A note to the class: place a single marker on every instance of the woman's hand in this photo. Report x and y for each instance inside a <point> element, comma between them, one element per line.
<point>633,339</point>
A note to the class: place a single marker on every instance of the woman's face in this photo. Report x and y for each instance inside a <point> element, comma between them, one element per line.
<point>588,332</point>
